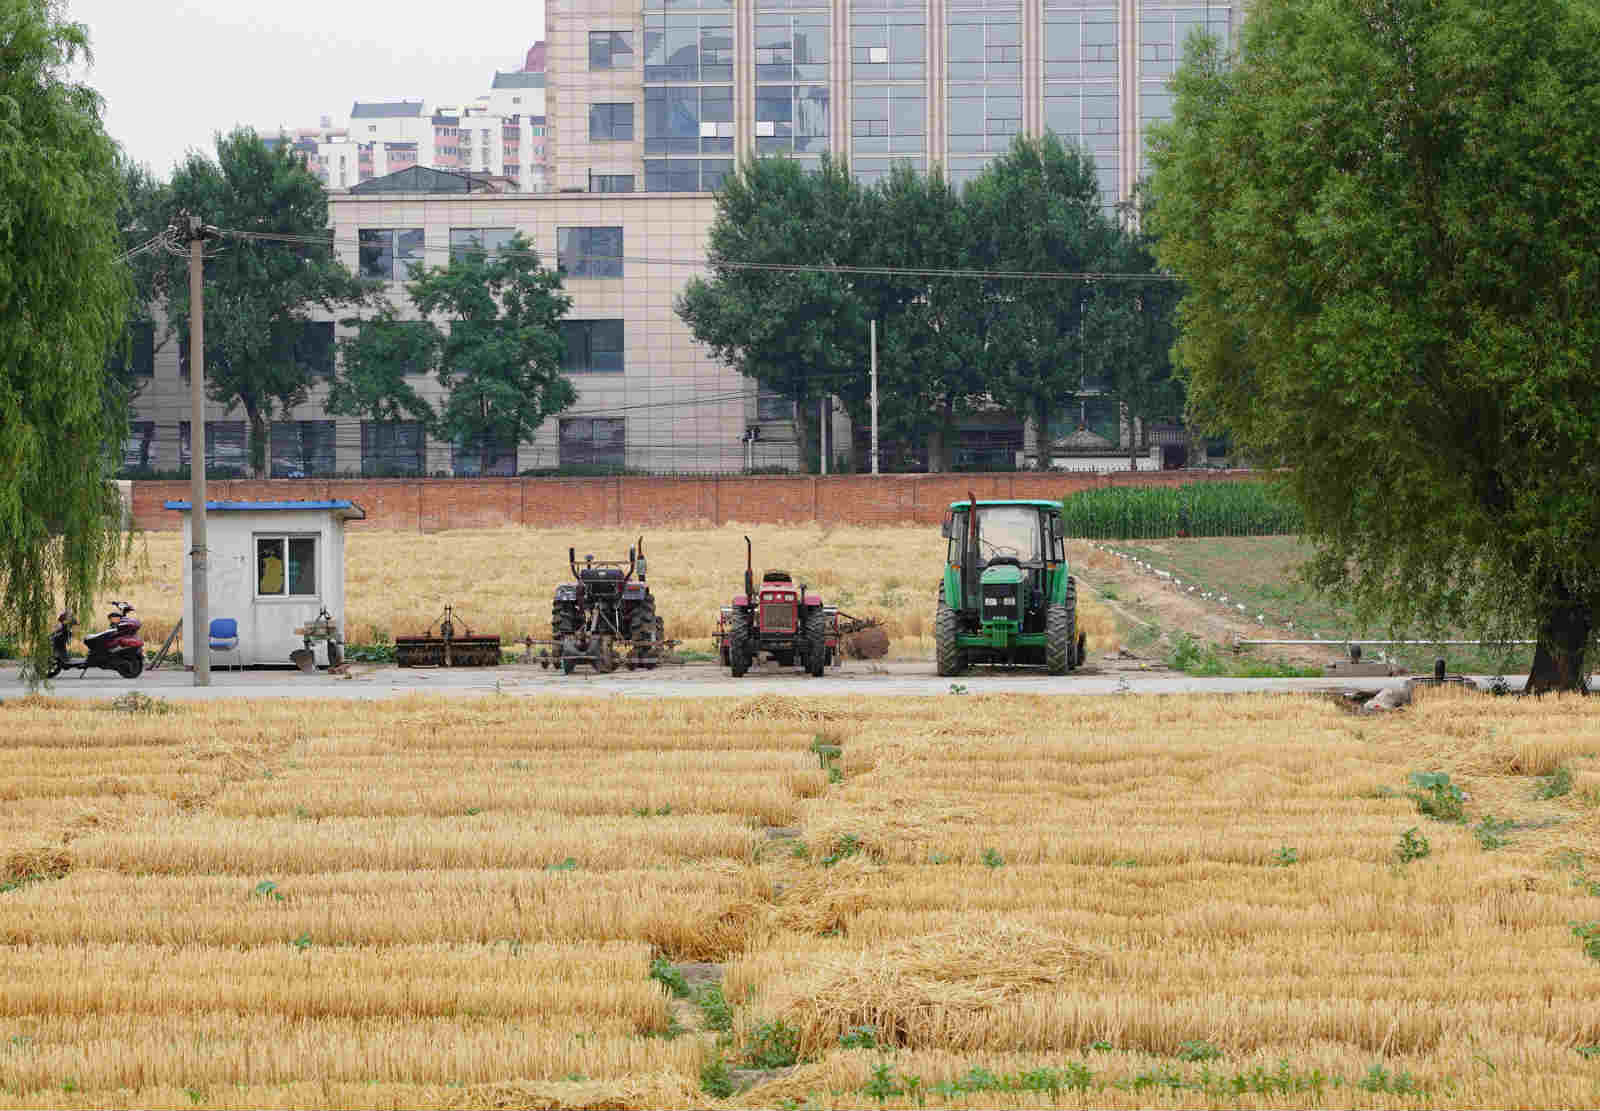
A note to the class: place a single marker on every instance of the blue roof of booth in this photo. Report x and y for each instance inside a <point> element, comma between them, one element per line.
<point>342,507</point>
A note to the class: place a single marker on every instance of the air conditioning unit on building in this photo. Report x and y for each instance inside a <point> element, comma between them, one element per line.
<point>877,54</point>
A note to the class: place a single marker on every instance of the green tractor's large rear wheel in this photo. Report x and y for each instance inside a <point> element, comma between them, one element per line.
<point>947,653</point>
<point>1060,632</point>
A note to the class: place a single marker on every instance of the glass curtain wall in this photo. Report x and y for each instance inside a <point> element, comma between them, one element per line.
<point>792,78</point>
<point>1162,34</point>
<point>888,97</point>
<point>688,94</point>
<point>1080,83</point>
<point>983,90</point>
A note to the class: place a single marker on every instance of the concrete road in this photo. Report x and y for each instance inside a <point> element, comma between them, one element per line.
<point>684,681</point>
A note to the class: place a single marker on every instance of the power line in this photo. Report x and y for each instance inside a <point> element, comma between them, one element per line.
<point>731,264</point>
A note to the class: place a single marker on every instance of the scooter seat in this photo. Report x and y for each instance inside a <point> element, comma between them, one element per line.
<point>96,636</point>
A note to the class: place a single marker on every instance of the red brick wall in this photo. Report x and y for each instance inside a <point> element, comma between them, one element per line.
<point>431,505</point>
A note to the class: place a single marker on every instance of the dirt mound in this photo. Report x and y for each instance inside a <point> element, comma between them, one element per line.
<point>927,991</point>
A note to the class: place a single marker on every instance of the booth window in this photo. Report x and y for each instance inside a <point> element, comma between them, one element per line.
<point>286,566</point>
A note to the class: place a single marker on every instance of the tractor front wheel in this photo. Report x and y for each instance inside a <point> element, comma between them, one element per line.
<point>946,652</point>
<point>741,643</point>
<point>816,647</point>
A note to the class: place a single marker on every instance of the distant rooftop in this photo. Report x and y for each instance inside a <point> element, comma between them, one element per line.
<point>385,109</point>
<point>425,179</point>
<point>522,80</point>
<point>534,63</point>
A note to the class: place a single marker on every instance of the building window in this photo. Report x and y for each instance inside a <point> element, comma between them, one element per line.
<point>484,456</point>
<point>689,121</point>
<point>286,566</point>
<point>487,241</point>
<point>592,346</point>
<point>772,406</point>
<point>888,119</point>
<point>984,118</point>
<point>140,445</point>
<point>390,253</point>
<point>611,122</point>
<point>791,118</point>
<point>688,48</point>
<point>391,447</point>
<point>136,352</point>
<point>225,445</point>
<point>685,175</point>
<point>985,44</point>
<point>303,448</point>
<point>610,49</point>
<point>888,45</point>
<point>593,442</point>
<point>305,344</point>
<point>791,47</point>
<point>610,183</point>
<point>589,252</point>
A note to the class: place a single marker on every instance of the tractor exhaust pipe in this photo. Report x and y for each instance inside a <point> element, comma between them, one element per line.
<point>969,555</point>
<point>749,570</point>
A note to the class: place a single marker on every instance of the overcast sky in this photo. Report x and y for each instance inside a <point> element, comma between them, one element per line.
<point>174,73</point>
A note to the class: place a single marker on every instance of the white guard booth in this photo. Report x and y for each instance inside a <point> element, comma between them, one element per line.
<point>274,566</point>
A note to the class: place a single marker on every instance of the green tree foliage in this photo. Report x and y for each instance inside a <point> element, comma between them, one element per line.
<point>947,346</point>
<point>803,335</point>
<point>1388,216</point>
<point>1036,208</point>
<point>1130,327</point>
<point>63,300</point>
<point>259,295</point>
<point>500,359</point>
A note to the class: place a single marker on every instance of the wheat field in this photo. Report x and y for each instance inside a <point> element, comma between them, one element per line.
<point>502,580</point>
<point>1111,901</point>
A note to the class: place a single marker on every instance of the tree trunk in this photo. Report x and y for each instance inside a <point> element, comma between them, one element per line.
<point>802,436</point>
<point>1558,658</point>
<point>1133,439</point>
<point>260,458</point>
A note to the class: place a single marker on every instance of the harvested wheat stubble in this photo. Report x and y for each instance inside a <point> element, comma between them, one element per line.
<point>429,903</point>
<point>926,991</point>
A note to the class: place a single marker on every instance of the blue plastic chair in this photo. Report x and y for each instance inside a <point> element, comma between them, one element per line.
<point>225,637</point>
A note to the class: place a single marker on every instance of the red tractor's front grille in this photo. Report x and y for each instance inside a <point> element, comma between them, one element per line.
<point>777,617</point>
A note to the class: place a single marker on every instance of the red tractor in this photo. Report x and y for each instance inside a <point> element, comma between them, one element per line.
<point>784,621</point>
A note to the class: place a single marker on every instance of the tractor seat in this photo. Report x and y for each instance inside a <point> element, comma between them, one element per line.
<point>776,577</point>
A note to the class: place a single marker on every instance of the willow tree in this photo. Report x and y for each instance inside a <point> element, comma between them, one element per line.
<point>63,300</point>
<point>1387,214</point>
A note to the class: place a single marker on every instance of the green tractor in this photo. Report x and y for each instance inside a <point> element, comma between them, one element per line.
<point>1006,596</point>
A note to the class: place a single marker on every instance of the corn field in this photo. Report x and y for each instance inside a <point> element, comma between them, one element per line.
<point>1193,509</point>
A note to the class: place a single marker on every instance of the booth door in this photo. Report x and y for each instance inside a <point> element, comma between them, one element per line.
<point>287,595</point>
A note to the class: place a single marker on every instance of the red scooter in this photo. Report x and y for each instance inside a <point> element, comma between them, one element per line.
<point>117,648</point>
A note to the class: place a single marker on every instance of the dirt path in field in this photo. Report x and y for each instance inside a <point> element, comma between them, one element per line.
<point>1143,597</point>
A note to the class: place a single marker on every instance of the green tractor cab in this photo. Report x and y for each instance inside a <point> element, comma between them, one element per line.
<point>1006,596</point>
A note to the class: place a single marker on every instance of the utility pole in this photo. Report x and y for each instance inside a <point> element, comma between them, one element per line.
<point>874,397</point>
<point>822,433</point>
<point>199,643</point>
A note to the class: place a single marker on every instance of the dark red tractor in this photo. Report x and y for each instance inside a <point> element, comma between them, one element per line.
<point>781,620</point>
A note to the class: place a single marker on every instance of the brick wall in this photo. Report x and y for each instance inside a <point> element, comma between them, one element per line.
<point>432,505</point>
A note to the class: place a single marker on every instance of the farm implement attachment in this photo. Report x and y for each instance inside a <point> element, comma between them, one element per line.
<point>449,647</point>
